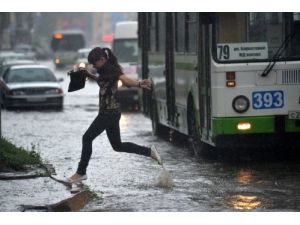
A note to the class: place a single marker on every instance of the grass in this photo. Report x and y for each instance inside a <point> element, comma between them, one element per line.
<point>16,157</point>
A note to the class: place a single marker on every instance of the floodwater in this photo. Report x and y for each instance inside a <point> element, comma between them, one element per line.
<point>128,182</point>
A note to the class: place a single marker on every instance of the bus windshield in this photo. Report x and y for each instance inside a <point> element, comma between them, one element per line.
<point>67,42</point>
<point>126,50</point>
<point>257,36</point>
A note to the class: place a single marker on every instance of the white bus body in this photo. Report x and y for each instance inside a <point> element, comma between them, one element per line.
<point>210,81</point>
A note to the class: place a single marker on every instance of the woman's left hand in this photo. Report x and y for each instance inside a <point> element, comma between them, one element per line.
<point>145,84</point>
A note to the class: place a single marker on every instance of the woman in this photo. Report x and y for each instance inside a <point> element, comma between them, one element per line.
<point>109,114</point>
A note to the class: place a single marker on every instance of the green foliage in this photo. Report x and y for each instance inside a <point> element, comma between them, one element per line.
<point>15,157</point>
<point>93,195</point>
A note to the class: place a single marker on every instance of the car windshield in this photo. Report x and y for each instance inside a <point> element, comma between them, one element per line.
<point>256,36</point>
<point>126,50</point>
<point>23,75</point>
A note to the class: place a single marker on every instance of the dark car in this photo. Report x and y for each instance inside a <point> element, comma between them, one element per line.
<point>30,86</point>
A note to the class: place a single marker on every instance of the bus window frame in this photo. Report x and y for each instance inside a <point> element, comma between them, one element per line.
<point>214,49</point>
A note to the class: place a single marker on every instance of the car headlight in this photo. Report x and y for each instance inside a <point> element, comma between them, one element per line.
<point>82,65</point>
<point>120,84</point>
<point>18,92</point>
<point>57,61</point>
<point>54,91</point>
<point>240,104</point>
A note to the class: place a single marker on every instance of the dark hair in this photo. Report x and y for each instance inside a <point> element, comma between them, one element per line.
<point>94,55</point>
<point>97,52</point>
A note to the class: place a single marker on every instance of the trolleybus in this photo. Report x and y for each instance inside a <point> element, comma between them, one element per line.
<point>65,45</point>
<point>223,79</point>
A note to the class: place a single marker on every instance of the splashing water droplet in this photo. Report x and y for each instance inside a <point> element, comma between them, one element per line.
<point>164,179</point>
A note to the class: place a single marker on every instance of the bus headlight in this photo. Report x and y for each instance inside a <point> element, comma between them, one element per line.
<point>240,104</point>
<point>243,126</point>
<point>120,84</point>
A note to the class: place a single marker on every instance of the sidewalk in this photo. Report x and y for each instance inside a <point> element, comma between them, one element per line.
<point>37,192</point>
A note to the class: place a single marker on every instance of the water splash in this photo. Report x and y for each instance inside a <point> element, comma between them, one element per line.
<point>164,180</point>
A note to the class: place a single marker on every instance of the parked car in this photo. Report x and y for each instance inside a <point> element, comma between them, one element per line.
<point>30,86</point>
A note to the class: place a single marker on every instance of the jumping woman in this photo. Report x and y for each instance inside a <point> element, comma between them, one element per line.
<point>109,71</point>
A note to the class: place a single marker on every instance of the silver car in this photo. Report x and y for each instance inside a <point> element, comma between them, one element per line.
<point>30,86</point>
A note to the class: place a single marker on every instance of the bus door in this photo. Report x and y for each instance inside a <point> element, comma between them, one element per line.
<point>143,39</point>
<point>169,70</point>
<point>204,72</point>
<point>165,52</point>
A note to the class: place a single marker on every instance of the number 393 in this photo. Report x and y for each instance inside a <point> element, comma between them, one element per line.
<point>267,99</point>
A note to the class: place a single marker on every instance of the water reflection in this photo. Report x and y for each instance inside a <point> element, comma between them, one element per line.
<point>244,177</point>
<point>242,201</point>
<point>245,202</point>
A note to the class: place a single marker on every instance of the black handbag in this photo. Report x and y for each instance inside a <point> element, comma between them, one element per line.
<point>77,80</point>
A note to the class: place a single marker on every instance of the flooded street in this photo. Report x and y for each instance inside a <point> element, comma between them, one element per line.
<point>127,181</point>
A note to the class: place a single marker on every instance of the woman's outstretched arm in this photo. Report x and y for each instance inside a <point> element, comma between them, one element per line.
<point>135,83</point>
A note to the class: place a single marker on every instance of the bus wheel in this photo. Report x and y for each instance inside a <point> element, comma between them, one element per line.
<point>195,144</point>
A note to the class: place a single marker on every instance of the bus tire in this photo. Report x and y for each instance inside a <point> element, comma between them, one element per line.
<point>195,144</point>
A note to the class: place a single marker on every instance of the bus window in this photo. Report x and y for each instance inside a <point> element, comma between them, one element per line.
<point>191,26</point>
<point>227,21</point>
<point>180,32</point>
<point>161,32</point>
<point>294,48</point>
<point>153,31</point>
<point>266,27</point>
<point>255,36</point>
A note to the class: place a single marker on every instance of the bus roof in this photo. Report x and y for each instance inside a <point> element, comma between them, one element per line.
<point>126,30</point>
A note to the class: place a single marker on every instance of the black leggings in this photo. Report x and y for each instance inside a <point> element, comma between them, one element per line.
<point>110,123</point>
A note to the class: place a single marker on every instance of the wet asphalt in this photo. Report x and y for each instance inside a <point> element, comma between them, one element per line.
<point>126,182</point>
